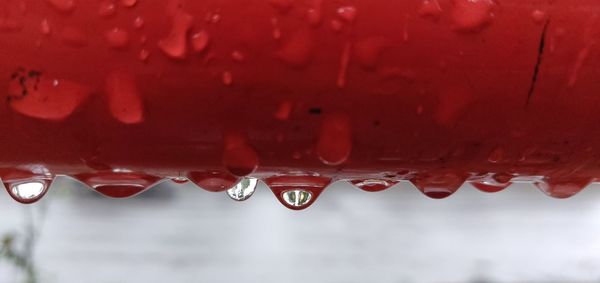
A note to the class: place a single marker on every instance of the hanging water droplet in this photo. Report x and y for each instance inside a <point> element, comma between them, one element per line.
<point>28,191</point>
<point>118,183</point>
<point>180,179</point>
<point>373,185</point>
<point>297,198</point>
<point>243,190</point>
<point>438,185</point>
<point>562,186</point>
<point>175,44</point>
<point>492,183</point>
<point>64,6</point>
<point>213,181</point>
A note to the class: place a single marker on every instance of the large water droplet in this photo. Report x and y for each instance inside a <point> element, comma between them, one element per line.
<point>243,190</point>
<point>27,191</point>
<point>297,192</point>
<point>438,185</point>
<point>472,15</point>
<point>33,94</point>
<point>64,6</point>
<point>124,99</point>
<point>335,139</point>
<point>563,186</point>
<point>297,197</point>
<point>175,44</point>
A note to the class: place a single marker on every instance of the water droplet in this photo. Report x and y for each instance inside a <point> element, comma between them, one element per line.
<point>367,51</point>
<point>438,185</point>
<point>276,30</point>
<point>243,190</point>
<point>124,99</point>
<point>180,180</point>
<point>74,37</point>
<point>118,184</point>
<point>347,13</point>
<point>27,191</point>
<point>117,38</point>
<point>238,56</point>
<point>138,22</point>
<point>227,78</point>
<point>563,186</point>
<point>297,197</point>
<point>64,6</point>
<point>373,185</point>
<point>538,16</point>
<point>297,51</point>
<point>200,41</point>
<point>492,183</point>
<point>335,139</point>
<point>128,3</point>
<point>107,8</point>
<point>283,6</point>
<point>284,111</point>
<point>213,181</point>
<point>239,157</point>
<point>45,27</point>
<point>430,9</point>
<point>33,94</point>
<point>175,44</point>
<point>344,62</point>
<point>472,15</point>
<point>144,54</point>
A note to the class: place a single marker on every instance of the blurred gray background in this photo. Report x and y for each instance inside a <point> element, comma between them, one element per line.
<point>179,233</point>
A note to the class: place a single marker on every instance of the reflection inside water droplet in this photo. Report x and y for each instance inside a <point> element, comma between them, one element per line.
<point>243,190</point>
<point>28,191</point>
<point>297,198</point>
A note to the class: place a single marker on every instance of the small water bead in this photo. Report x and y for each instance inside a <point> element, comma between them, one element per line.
<point>347,13</point>
<point>28,191</point>
<point>175,44</point>
<point>117,38</point>
<point>227,78</point>
<point>124,99</point>
<point>472,15</point>
<point>144,55</point>
<point>243,190</point>
<point>64,6</point>
<point>297,197</point>
<point>107,8</point>
<point>128,3</point>
<point>373,185</point>
<point>237,56</point>
<point>430,9</point>
<point>138,22</point>
<point>200,41</point>
<point>45,27</point>
<point>538,16</point>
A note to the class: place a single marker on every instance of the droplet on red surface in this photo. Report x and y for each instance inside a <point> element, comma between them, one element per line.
<point>472,15</point>
<point>297,51</point>
<point>117,38</point>
<point>430,9</point>
<point>239,157</point>
<point>107,8</point>
<point>35,95</point>
<point>347,13</point>
<point>124,99</point>
<point>128,3</point>
<point>64,6</point>
<point>45,27</point>
<point>284,111</point>
<point>175,44</point>
<point>243,190</point>
<point>538,16</point>
<point>563,186</point>
<point>227,78</point>
<point>335,139</point>
<point>200,41</point>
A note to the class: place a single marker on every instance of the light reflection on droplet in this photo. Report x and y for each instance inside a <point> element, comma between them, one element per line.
<point>243,190</point>
<point>297,198</point>
<point>28,191</point>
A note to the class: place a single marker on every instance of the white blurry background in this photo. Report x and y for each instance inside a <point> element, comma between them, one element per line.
<point>179,233</point>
